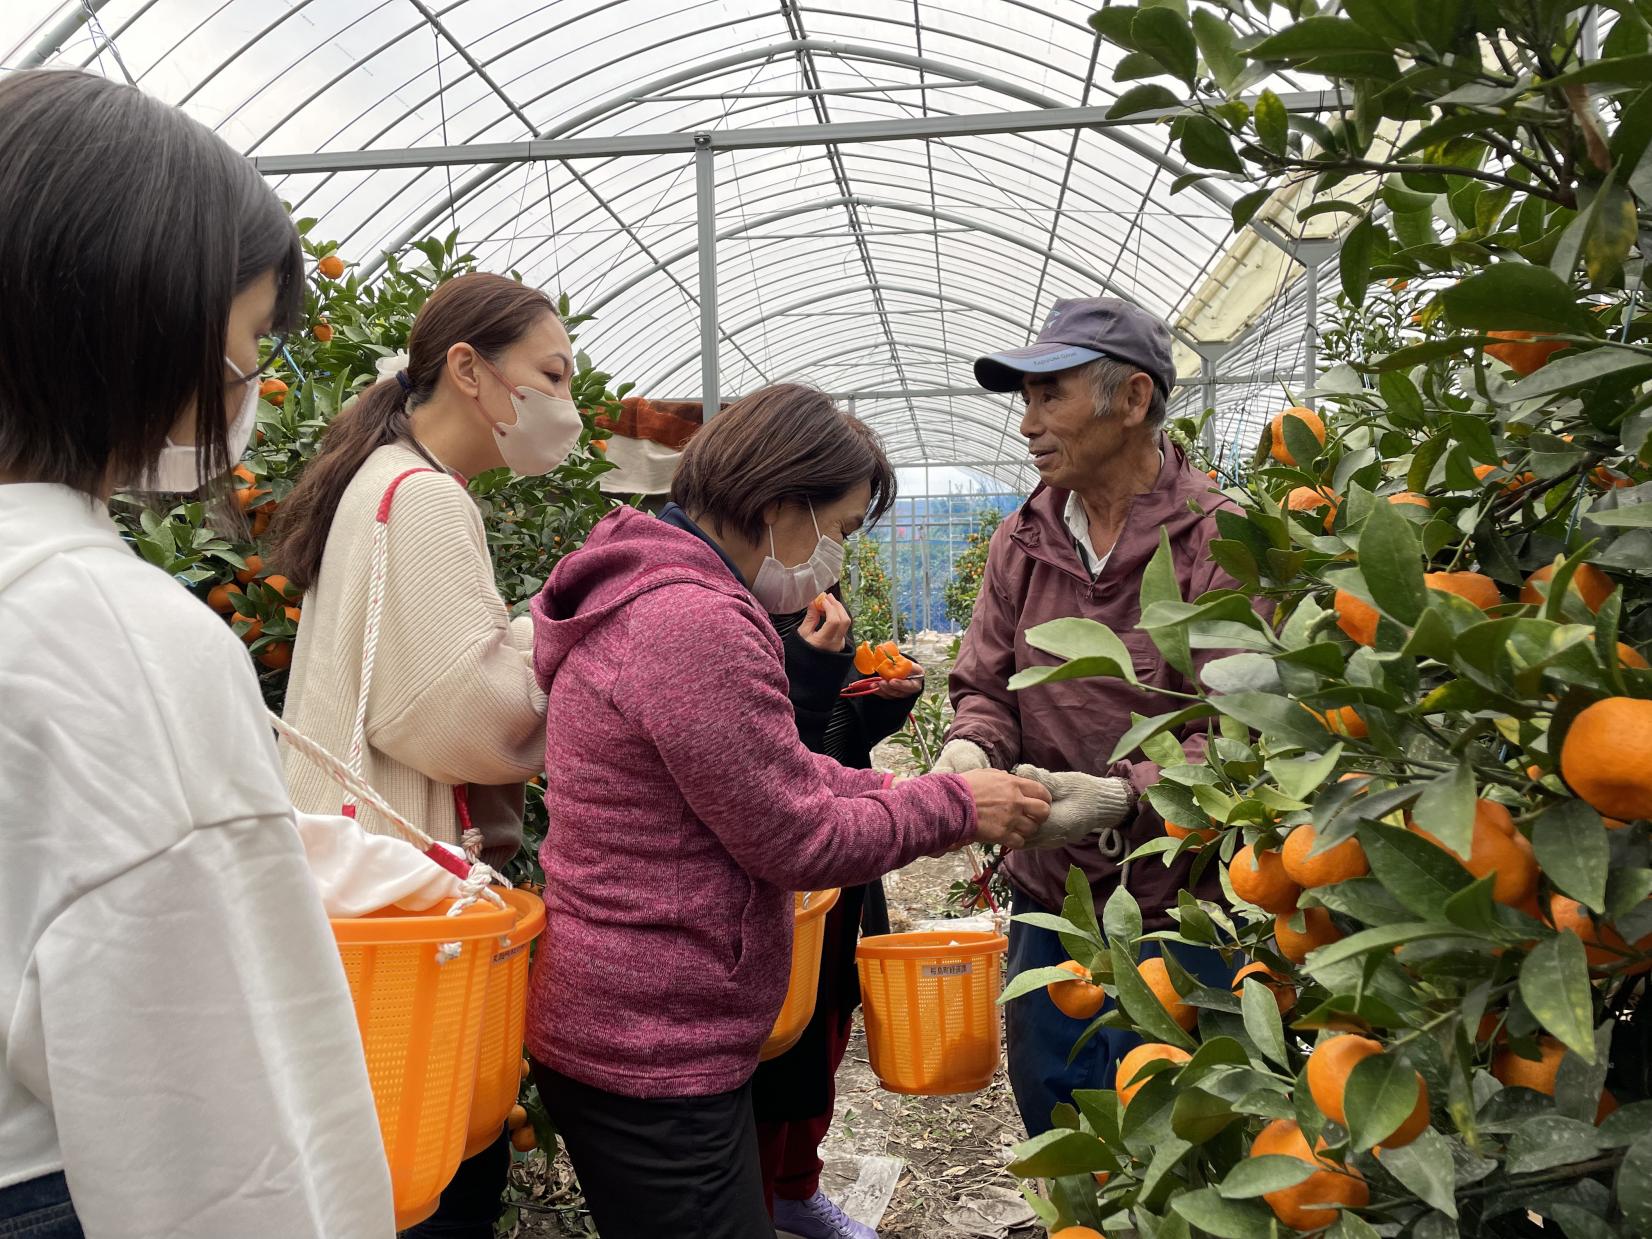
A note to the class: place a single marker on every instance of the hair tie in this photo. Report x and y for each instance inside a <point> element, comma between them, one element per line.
<point>407,383</point>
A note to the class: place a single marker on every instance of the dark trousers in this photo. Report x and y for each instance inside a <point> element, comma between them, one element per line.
<point>790,1148</point>
<point>1038,1036</point>
<point>686,1167</point>
<point>472,1202</point>
<point>39,1209</point>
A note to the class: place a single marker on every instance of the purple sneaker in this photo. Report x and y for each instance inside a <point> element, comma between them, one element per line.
<point>818,1218</point>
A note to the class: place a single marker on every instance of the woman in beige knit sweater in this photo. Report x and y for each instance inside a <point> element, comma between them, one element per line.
<point>453,710</point>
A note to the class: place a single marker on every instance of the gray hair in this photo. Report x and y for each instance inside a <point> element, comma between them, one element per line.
<point>1107,378</point>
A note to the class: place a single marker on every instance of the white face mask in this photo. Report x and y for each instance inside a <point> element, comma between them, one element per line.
<point>547,430</point>
<point>177,468</point>
<point>781,590</point>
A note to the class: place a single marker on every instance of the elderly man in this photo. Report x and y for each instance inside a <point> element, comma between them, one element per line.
<point>1095,386</point>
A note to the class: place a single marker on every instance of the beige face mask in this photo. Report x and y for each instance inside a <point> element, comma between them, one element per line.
<point>546,432</point>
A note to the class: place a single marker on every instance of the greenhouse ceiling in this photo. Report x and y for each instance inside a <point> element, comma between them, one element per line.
<point>892,191</point>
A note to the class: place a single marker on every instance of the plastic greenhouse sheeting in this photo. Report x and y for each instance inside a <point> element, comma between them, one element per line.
<point>875,268</point>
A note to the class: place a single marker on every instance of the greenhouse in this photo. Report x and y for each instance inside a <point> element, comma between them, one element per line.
<point>999,618</point>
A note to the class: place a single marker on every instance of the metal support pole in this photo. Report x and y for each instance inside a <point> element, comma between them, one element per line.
<point>705,193</point>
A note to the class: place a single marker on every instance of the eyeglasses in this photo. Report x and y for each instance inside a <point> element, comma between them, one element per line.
<point>270,351</point>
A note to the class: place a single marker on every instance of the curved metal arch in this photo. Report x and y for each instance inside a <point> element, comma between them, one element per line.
<point>907,208</point>
<point>660,376</point>
<point>616,104</point>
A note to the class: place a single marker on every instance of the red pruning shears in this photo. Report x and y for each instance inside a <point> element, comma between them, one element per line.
<point>871,684</point>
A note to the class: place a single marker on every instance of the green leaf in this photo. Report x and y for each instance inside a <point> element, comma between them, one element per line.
<point>1145,98</point>
<point>1634,1186</point>
<point>1354,260</point>
<point>1390,558</point>
<point>1572,848</point>
<point>1315,37</point>
<point>1217,44</point>
<point>1401,396</point>
<point>1245,208</point>
<point>1121,917</point>
<point>1380,1095</point>
<point>1630,516</point>
<point>1260,1011</point>
<point>1158,585</point>
<point>1205,144</point>
<point>1549,1140</point>
<point>1416,872</point>
<point>1197,1116</point>
<point>1142,731</point>
<point>1554,985</point>
<point>1515,295</point>
<point>1083,639</point>
<point>1573,369</point>
<point>1114,23</point>
<point>1060,1152</point>
<point>1208,1211</point>
<point>1381,938</point>
<point>1272,122</point>
<point>1446,809</point>
<point>1611,237</point>
<point>1427,1167</point>
<point>1298,777</point>
<point>1164,35</point>
<point>1626,69</point>
<point>1032,979</point>
<point>1141,1005</point>
<point>1269,1172</point>
<point>1280,719</point>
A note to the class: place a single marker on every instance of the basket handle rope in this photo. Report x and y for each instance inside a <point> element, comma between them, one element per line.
<point>469,837</point>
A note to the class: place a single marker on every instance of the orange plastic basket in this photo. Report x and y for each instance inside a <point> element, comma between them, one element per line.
<point>421,1023</point>
<point>808,931</point>
<point>931,1005</point>
<point>499,1062</point>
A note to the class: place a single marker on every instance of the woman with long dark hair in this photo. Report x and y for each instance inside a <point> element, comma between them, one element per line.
<point>684,810</point>
<point>453,715</point>
<point>178,1050</point>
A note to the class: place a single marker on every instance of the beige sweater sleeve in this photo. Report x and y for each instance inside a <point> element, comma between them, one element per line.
<point>463,705</point>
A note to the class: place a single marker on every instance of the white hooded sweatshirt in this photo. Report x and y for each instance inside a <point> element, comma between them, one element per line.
<point>176,1034</point>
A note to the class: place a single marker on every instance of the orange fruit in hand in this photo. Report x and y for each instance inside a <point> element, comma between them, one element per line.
<point>1276,431</point>
<point>1310,499</point>
<point>866,659</point>
<point>1308,1204</point>
<point>1205,833</point>
<point>1079,998</point>
<point>523,1140</point>
<point>1523,351</point>
<point>1329,1066</point>
<point>1157,976</point>
<point>1475,587</point>
<point>518,1117</point>
<point>1606,758</point>
<point>1539,1076</point>
<point>1588,583</point>
<point>1318,930</point>
<point>1332,865</point>
<point>1126,1084</point>
<point>1284,993</point>
<point>1496,848</point>
<point>1260,878</point>
<point>225,598</point>
<point>1356,617</point>
<point>331,266</point>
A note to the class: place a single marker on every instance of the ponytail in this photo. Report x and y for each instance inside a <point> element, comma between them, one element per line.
<point>299,532</point>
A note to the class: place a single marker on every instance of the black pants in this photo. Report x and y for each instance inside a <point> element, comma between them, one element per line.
<point>472,1202</point>
<point>686,1167</point>
<point>39,1209</point>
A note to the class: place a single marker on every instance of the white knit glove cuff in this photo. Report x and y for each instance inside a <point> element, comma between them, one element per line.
<point>1081,806</point>
<point>961,756</point>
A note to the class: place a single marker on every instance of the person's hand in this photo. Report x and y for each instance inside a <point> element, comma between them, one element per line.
<point>1081,805</point>
<point>960,757</point>
<point>897,689</point>
<point>1009,810</point>
<point>825,625</point>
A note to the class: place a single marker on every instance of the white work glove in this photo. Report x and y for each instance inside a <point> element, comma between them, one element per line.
<point>1081,806</point>
<point>960,756</point>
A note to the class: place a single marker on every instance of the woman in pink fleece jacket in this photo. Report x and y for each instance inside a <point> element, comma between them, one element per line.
<point>684,810</point>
